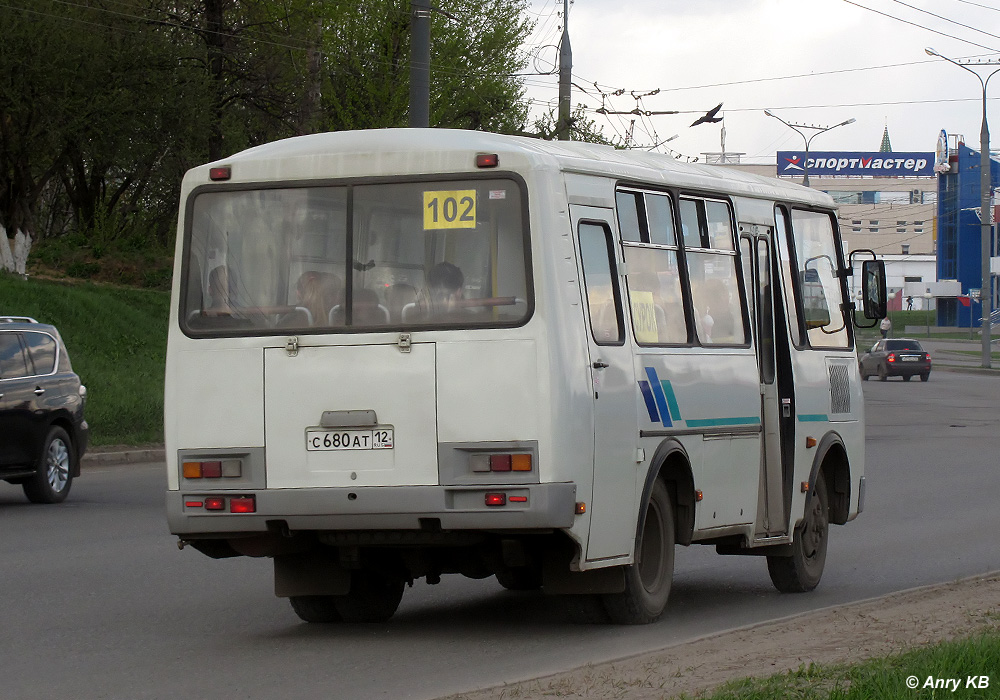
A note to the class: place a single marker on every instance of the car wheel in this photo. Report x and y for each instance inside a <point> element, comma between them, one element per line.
<point>54,475</point>
<point>924,377</point>
<point>883,374</point>
<point>802,571</point>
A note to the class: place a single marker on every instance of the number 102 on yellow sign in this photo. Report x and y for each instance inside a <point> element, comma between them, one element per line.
<point>450,209</point>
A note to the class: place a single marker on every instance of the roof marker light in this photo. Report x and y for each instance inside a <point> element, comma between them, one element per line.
<point>487,160</point>
<point>223,172</point>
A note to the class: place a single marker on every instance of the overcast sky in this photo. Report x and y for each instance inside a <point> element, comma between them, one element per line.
<point>852,62</point>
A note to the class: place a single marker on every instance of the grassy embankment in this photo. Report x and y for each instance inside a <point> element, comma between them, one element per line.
<point>886,679</point>
<point>117,339</point>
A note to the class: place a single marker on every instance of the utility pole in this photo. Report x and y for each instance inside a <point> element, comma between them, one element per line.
<point>420,63</point>
<point>986,211</point>
<point>565,78</point>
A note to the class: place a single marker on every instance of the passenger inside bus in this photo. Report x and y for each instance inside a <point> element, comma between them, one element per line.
<point>443,293</point>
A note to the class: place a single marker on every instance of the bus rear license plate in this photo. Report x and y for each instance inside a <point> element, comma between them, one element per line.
<point>328,440</point>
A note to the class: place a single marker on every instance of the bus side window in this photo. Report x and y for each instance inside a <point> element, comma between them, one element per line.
<point>601,284</point>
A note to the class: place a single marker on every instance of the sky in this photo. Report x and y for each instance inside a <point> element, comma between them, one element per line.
<point>816,62</point>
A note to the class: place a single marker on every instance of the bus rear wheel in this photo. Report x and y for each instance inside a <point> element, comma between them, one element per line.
<point>802,570</point>
<point>648,580</point>
<point>374,597</point>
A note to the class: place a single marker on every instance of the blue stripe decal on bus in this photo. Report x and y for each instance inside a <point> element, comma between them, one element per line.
<point>661,400</point>
<point>717,422</point>
<point>813,418</point>
<point>647,396</point>
<point>675,410</point>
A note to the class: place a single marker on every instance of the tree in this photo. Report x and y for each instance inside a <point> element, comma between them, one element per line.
<point>474,62</point>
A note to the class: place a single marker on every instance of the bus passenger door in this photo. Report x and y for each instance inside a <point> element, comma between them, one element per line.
<point>610,370</point>
<point>757,254</point>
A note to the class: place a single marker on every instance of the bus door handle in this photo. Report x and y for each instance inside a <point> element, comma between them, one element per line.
<point>600,364</point>
<point>786,408</point>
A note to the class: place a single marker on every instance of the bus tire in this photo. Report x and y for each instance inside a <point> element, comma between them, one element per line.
<point>802,570</point>
<point>648,580</point>
<point>521,578</point>
<point>374,597</point>
<point>316,608</point>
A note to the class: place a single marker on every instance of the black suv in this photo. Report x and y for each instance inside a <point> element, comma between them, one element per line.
<point>43,434</point>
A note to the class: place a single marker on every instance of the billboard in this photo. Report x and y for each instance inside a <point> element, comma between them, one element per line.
<point>856,163</point>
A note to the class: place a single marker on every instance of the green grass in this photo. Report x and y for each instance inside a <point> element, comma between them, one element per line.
<point>117,340</point>
<point>884,678</point>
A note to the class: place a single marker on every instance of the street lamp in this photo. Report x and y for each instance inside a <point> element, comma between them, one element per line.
<point>985,189</point>
<point>808,139</point>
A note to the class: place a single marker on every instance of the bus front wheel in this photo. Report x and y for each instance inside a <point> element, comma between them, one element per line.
<point>648,579</point>
<point>802,570</point>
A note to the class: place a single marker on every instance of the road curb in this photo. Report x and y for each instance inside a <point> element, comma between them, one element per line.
<point>128,455</point>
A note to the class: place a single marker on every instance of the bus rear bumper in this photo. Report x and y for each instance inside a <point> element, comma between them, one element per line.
<point>524,507</point>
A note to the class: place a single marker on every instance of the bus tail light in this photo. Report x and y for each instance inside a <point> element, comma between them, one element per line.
<point>482,462</point>
<point>215,503</point>
<point>213,469</point>
<point>243,504</point>
<point>496,499</point>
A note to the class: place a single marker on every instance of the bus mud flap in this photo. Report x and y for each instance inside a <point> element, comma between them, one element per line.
<point>309,574</point>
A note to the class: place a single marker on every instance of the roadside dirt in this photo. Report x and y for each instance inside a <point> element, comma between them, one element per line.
<point>849,633</point>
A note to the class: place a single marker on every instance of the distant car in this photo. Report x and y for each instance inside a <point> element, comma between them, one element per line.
<point>43,434</point>
<point>896,357</point>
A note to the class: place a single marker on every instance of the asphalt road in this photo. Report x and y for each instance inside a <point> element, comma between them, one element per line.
<point>97,601</point>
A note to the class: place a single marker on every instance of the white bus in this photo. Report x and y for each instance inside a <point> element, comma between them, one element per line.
<point>403,353</point>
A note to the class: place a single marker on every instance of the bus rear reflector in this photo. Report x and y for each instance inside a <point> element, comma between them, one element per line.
<point>246,504</point>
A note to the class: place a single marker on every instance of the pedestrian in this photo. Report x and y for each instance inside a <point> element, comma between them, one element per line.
<point>909,303</point>
<point>885,327</point>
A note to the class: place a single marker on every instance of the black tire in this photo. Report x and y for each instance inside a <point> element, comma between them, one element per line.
<point>802,571</point>
<point>54,474</point>
<point>883,373</point>
<point>522,578</point>
<point>316,608</point>
<point>374,597</point>
<point>648,580</point>
<point>925,377</point>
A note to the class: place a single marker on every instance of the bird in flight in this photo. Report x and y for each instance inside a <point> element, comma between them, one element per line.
<point>709,116</point>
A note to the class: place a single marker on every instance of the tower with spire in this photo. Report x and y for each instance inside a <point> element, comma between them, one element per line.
<point>886,146</point>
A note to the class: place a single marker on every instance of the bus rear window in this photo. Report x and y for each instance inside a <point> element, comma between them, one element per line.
<point>364,257</point>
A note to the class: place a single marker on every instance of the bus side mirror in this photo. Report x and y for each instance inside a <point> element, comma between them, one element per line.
<point>874,298</point>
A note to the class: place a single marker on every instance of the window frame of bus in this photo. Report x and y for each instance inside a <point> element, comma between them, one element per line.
<point>701,198</point>
<point>790,269</point>
<point>348,184</point>
<point>614,279</point>
<point>638,194</point>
